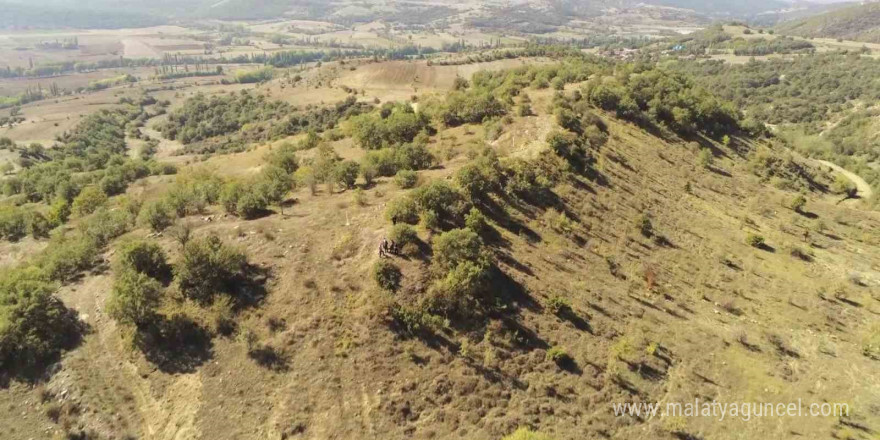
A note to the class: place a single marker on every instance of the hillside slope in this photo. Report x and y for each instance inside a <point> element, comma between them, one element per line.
<point>858,23</point>
<point>634,279</point>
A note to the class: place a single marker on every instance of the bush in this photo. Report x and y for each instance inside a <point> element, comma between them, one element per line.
<point>403,235</point>
<point>387,275</point>
<point>644,225</point>
<point>558,304</point>
<point>208,267</point>
<point>406,179</point>
<point>346,173</point>
<point>144,257</point>
<point>798,203</point>
<point>527,434</point>
<point>403,210</point>
<point>59,212</point>
<point>38,225</point>
<point>36,325</point>
<point>440,197</point>
<point>455,247</point>
<point>157,215</point>
<point>134,298</point>
<point>66,257</point>
<point>755,241</point>
<point>90,199</point>
<point>476,221</point>
<point>252,203</point>
<point>558,355</point>
<point>105,225</point>
<point>230,195</point>
<point>13,223</point>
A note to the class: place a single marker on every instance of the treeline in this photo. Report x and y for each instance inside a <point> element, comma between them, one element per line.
<point>174,62</point>
<point>781,45</point>
<point>531,50</point>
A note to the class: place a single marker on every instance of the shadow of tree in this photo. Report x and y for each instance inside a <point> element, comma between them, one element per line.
<point>22,362</point>
<point>175,345</point>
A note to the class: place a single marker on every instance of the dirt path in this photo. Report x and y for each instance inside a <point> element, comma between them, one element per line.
<point>865,190</point>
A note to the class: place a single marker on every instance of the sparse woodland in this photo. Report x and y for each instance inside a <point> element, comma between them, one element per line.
<point>502,257</point>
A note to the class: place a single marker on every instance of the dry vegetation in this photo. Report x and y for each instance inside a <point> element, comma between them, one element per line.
<point>567,250</point>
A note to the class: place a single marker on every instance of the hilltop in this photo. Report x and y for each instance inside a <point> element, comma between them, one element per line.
<point>858,23</point>
<point>574,231</point>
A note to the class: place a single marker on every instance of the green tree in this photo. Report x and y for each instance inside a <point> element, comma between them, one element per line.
<point>209,267</point>
<point>90,199</point>
<point>135,298</point>
<point>157,215</point>
<point>347,172</point>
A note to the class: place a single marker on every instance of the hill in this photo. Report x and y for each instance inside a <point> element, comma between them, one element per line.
<point>858,23</point>
<point>573,234</point>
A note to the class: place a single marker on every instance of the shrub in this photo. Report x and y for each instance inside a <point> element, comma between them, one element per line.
<point>90,199</point>
<point>439,196</point>
<point>460,288</point>
<point>755,241</point>
<point>558,355</point>
<point>157,215</point>
<point>13,223</point>
<point>65,257</point>
<point>406,179</point>
<point>144,257</point>
<point>208,267</point>
<point>38,225</point>
<point>527,434</point>
<point>36,325</point>
<point>455,247</point>
<point>59,212</point>
<point>706,158</point>
<point>403,235</point>
<point>387,275</point>
<point>105,225</point>
<point>403,210</point>
<point>798,203</point>
<point>251,203</point>
<point>476,221</point>
<point>134,298</point>
<point>346,173</point>
<point>644,225</point>
<point>558,304</point>
<point>230,195</point>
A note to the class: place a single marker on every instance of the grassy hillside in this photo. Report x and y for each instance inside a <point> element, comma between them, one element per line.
<point>858,23</point>
<point>572,234</point>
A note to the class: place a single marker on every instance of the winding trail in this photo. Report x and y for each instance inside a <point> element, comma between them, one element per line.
<point>864,190</point>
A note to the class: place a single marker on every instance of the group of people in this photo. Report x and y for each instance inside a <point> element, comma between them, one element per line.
<point>388,248</point>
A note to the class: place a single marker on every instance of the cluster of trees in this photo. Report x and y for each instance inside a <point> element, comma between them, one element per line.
<point>34,324</point>
<point>761,46</point>
<point>536,49</point>
<point>76,176</point>
<point>805,89</point>
<point>392,125</point>
<point>662,96</point>
<point>207,268</point>
<point>202,118</point>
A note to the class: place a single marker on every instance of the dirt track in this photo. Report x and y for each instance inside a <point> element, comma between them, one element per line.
<point>865,190</point>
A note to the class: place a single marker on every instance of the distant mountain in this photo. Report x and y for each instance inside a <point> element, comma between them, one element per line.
<point>859,23</point>
<point>22,16</point>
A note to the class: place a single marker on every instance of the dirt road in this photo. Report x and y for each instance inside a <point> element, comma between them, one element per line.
<point>865,190</point>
